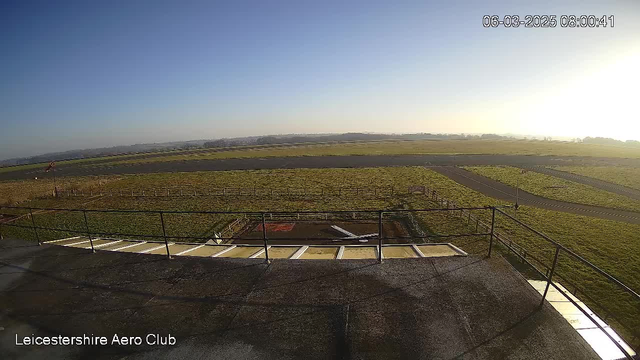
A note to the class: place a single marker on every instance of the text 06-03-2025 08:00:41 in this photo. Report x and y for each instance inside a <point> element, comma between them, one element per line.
<point>548,21</point>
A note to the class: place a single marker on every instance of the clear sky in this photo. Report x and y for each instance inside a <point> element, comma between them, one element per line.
<point>80,74</point>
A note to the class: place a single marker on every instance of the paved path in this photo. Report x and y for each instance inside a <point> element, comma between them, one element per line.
<point>312,162</point>
<point>597,183</point>
<point>498,190</point>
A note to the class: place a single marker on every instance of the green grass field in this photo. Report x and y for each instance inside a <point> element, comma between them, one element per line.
<point>555,188</point>
<point>507,147</point>
<point>613,246</point>
<point>625,176</point>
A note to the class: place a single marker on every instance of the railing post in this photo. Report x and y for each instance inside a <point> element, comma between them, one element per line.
<point>380,236</point>
<point>33,226</point>
<point>493,223</point>
<point>553,269</point>
<point>86,225</point>
<point>264,238</point>
<point>164,235</point>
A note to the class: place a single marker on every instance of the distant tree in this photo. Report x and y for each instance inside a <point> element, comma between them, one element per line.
<point>601,141</point>
<point>215,143</point>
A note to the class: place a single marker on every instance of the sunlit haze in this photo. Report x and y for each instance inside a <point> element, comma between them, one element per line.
<point>79,74</point>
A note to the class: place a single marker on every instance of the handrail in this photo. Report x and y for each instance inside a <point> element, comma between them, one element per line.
<point>381,237</point>
<point>245,212</point>
<point>580,258</point>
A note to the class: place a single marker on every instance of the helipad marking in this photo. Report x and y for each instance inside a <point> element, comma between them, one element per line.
<point>189,250</point>
<point>299,253</point>
<point>154,248</point>
<point>128,246</point>
<point>225,251</point>
<point>338,228</point>
<point>105,244</point>
<point>69,238</point>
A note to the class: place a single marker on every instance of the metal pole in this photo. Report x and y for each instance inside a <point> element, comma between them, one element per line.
<point>86,225</point>
<point>264,238</point>
<point>33,226</point>
<point>493,222</point>
<point>55,186</point>
<point>553,269</point>
<point>380,236</point>
<point>164,234</point>
<point>517,189</point>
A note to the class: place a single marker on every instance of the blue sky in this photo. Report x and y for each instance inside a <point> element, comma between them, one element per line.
<point>78,74</point>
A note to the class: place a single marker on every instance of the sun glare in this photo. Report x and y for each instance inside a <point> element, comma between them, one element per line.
<point>601,103</point>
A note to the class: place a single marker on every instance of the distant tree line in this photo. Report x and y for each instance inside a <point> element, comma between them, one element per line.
<point>609,141</point>
<point>275,140</point>
<point>301,139</point>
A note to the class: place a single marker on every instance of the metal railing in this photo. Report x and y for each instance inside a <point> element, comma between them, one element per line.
<point>471,214</point>
<point>192,191</point>
<point>550,272</point>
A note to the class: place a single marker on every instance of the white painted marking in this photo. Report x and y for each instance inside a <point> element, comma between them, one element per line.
<point>105,244</point>
<point>55,241</point>
<point>357,237</point>
<point>153,249</point>
<point>299,253</point>
<point>338,228</point>
<point>189,250</point>
<point>259,253</point>
<point>77,243</point>
<point>417,250</point>
<point>224,251</point>
<point>128,246</point>
<point>340,252</point>
<point>458,250</point>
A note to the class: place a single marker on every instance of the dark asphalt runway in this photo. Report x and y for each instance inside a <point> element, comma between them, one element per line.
<point>505,192</point>
<point>314,162</point>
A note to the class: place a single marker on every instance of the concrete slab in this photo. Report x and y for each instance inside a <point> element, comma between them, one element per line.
<point>140,247</point>
<point>184,249</point>
<point>603,346</point>
<point>207,251</point>
<point>71,241</point>
<point>280,252</point>
<point>314,252</point>
<point>450,307</point>
<point>360,252</point>
<point>437,250</point>
<point>162,250</point>
<point>243,252</point>
<point>398,252</point>
<point>596,338</point>
<point>97,243</point>
<point>119,245</point>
